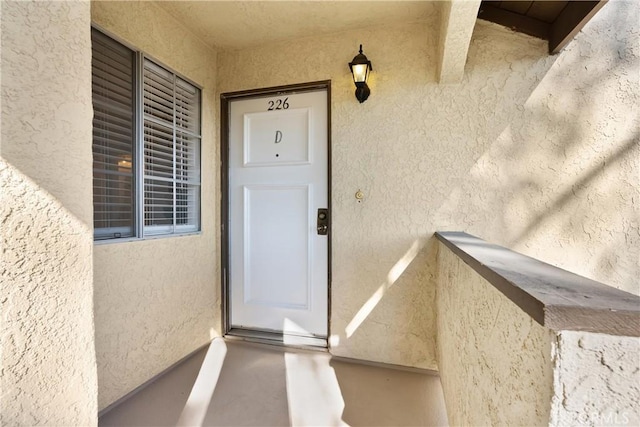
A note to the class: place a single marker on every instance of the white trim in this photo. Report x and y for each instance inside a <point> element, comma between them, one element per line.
<point>142,239</point>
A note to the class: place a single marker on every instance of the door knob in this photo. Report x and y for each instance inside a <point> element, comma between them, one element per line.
<point>323,222</point>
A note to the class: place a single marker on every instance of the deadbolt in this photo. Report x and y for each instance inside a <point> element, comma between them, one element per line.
<point>323,222</point>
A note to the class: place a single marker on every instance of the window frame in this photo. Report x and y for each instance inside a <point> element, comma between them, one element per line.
<point>138,161</point>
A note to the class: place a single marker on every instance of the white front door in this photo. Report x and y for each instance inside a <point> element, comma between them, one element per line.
<point>278,181</point>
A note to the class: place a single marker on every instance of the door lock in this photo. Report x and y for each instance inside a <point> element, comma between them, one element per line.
<point>323,222</point>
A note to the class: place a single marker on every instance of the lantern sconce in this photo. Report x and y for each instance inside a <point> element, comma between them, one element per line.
<point>360,67</point>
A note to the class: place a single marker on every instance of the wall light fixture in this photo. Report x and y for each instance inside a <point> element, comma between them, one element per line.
<point>360,67</point>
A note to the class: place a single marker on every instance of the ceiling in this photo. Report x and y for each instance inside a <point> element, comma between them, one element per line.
<point>555,21</point>
<point>233,25</point>
<point>545,11</point>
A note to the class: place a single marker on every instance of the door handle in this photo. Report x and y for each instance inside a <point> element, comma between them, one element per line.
<point>322,222</point>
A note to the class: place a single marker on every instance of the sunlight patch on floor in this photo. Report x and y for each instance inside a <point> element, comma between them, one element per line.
<point>199,399</point>
<point>313,393</point>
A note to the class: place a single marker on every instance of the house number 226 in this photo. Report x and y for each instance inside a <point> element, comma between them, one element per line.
<point>278,104</point>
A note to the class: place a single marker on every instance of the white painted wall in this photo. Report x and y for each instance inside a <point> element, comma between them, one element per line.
<point>499,367</point>
<point>47,354</point>
<point>158,300</point>
<point>534,152</point>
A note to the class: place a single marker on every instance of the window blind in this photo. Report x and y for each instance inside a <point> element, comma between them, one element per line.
<point>146,145</point>
<point>113,137</point>
<point>187,154</point>
<point>171,125</point>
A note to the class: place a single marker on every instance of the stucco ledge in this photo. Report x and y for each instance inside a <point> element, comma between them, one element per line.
<point>553,297</point>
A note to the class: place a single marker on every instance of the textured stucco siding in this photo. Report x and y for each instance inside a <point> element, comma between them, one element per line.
<point>560,179</point>
<point>457,20</point>
<point>499,367</point>
<point>495,361</point>
<point>47,354</point>
<point>537,153</point>
<point>596,380</point>
<point>158,300</point>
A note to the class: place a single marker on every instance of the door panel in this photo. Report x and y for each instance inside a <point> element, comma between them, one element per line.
<point>277,138</point>
<point>278,179</point>
<point>275,232</point>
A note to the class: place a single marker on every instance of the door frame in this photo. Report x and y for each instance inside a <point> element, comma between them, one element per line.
<point>225,100</point>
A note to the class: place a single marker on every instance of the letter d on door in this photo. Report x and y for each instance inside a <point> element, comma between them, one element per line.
<point>278,137</point>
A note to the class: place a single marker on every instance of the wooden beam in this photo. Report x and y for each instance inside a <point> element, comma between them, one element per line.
<point>515,21</point>
<point>546,11</point>
<point>457,20</point>
<point>521,7</point>
<point>570,21</point>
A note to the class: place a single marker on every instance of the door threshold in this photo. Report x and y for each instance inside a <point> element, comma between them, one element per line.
<point>278,338</point>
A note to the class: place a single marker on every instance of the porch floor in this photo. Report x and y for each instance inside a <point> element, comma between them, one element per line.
<point>262,385</point>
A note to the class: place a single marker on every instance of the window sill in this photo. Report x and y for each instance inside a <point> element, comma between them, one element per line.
<point>146,238</point>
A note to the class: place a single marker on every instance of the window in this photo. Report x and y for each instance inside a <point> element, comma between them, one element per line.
<point>146,145</point>
<point>113,137</point>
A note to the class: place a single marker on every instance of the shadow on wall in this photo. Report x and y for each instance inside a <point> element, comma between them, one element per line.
<point>534,152</point>
<point>582,184</point>
<point>416,168</point>
<point>561,177</point>
<point>46,329</point>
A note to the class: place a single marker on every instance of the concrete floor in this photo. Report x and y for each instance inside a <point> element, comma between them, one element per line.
<point>233,383</point>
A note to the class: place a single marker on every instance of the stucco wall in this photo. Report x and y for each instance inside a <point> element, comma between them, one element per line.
<point>499,367</point>
<point>495,361</point>
<point>47,354</point>
<point>559,180</point>
<point>534,152</point>
<point>596,380</point>
<point>157,300</point>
